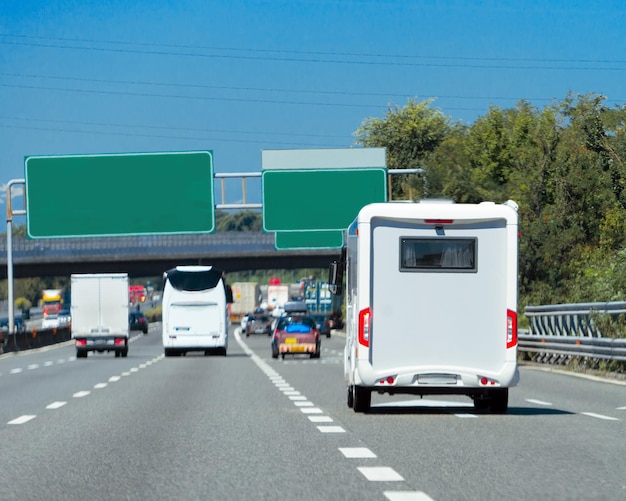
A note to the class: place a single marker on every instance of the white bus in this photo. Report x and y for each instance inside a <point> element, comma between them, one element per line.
<point>431,293</point>
<point>195,313</point>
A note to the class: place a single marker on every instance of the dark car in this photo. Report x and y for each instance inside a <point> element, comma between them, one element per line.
<point>18,324</point>
<point>259,324</point>
<point>296,333</point>
<point>137,321</point>
<point>323,323</point>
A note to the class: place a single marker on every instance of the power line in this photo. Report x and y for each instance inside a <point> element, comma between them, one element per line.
<point>315,53</point>
<point>333,61</point>
<point>162,127</point>
<point>257,89</point>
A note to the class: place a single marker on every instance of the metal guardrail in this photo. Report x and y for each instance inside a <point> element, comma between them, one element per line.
<point>569,330</point>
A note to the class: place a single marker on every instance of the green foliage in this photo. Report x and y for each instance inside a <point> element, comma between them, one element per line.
<point>409,134</point>
<point>562,164</point>
<point>239,221</point>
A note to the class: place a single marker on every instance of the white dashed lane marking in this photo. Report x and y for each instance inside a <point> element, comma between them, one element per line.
<point>380,474</point>
<point>407,496</point>
<point>320,419</point>
<point>599,416</point>
<point>81,394</point>
<point>22,419</point>
<point>55,405</point>
<point>357,452</point>
<point>538,402</point>
<point>331,429</point>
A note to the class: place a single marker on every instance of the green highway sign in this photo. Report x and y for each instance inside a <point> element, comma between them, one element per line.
<point>119,194</point>
<point>308,240</point>
<point>319,199</point>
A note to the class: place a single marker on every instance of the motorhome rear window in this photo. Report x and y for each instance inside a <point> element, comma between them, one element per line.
<point>438,254</point>
<point>194,280</point>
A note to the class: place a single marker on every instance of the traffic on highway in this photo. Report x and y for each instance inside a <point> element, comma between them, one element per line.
<point>248,426</point>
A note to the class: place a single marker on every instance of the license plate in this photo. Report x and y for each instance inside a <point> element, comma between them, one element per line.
<point>297,348</point>
<point>291,340</point>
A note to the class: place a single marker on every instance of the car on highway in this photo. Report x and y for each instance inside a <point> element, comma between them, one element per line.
<point>259,324</point>
<point>51,321</point>
<point>323,323</point>
<point>65,317</point>
<point>137,321</point>
<point>18,323</point>
<point>296,333</point>
<point>245,320</point>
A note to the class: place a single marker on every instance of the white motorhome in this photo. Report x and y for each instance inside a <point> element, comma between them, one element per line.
<point>194,311</point>
<point>431,292</point>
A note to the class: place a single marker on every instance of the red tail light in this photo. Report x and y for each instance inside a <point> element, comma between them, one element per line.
<point>365,324</point>
<point>511,328</point>
<point>81,342</point>
<point>119,340</point>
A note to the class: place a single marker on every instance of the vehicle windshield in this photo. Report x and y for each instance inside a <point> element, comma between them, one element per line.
<point>288,323</point>
<point>194,281</point>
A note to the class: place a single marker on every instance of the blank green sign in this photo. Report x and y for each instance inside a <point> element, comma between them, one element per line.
<point>324,199</point>
<point>308,240</point>
<point>125,194</point>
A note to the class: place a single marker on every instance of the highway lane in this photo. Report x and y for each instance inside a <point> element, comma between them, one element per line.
<point>248,426</point>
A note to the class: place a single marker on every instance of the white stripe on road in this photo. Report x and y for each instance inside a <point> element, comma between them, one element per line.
<point>380,474</point>
<point>407,496</point>
<point>357,452</point>
<point>22,419</point>
<point>538,402</point>
<point>55,405</point>
<point>114,379</point>
<point>33,366</point>
<point>311,410</point>
<point>465,415</point>
<point>320,419</point>
<point>331,429</point>
<point>15,371</point>
<point>600,416</point>
<point>100,386</point>
<point>81,394</point>
<point>303,404</point>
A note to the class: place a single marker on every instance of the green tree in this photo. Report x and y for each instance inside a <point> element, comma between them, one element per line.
<point>409,134</point>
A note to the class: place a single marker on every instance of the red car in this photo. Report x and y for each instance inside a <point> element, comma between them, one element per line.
<point>296,334</point>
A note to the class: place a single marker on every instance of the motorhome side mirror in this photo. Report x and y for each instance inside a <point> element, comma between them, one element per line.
<point>335,278</point>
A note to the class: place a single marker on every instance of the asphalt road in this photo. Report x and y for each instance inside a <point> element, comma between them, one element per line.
<point>247,426</point>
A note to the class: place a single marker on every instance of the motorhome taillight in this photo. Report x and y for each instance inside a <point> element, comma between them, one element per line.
<point>81,342</point>
<point>119,340</point>
<point>511,328</point>
<point>365,324</point>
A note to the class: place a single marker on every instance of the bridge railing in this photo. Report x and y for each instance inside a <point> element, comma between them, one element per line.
<point>573,330</point>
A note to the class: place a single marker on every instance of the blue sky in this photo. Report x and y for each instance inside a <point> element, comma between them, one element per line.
<point>238,77</point>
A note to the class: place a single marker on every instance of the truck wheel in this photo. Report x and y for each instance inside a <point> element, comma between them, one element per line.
<point>499,400</point>
<point>81,354</point>
<point>117,354</point>
<point>350,397</point>
<point>125,353</point>
<point>362,399</point>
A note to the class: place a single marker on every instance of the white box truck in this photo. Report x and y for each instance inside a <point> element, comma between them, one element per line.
<point>100,313</point>
<point>431,301</point>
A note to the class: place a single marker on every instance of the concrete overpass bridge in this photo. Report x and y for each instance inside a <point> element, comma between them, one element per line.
<point>151,255</point>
